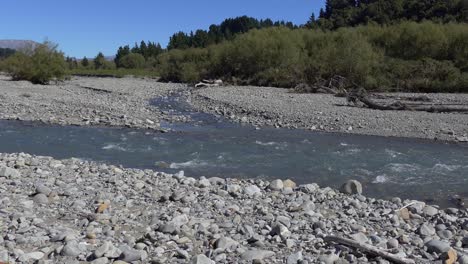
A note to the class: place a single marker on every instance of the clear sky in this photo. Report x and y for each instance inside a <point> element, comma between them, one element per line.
<point>85,27</point>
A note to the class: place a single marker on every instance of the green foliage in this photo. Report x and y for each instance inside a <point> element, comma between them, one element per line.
<point>72,63</point>
<point>149,51</point>
<point>344,13</point>
<point>99,61</point>
<point>40,65</point>
<point>85,62</point>
<point>115,72</point>
<point>408,56</point>
<point>227,30</point>
<point>183,65</point>
<point>132,61</point>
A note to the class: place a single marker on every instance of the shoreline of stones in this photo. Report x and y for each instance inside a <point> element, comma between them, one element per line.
<point>276,107</point>
<point>76,211</point>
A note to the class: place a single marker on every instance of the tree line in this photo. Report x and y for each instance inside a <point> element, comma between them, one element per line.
<point>345,13</point>
<point>227,30</point>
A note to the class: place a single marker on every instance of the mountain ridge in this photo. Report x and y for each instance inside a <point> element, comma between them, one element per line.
<point>16,43</point>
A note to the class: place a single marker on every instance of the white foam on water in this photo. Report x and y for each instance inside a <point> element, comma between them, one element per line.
<point>266,143</point>
<point>344,144</point>
<point>112,146</point>
<point>393,153</point>
<point>381,179</point>
<point>277,145</point>
<point>189,164</point>
<point>348,152</point>
<point>441,168</point>
<point>403,167</point>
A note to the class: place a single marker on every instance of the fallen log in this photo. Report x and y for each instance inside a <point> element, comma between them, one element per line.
<point>399,106</point>
<point>95,89</point>
<point>368,249</point>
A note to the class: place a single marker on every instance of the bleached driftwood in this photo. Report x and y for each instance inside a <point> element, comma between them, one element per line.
<point>209,83</point>
<point>368,249</point>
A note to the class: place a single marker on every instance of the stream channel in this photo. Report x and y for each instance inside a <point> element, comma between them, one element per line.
<point>210,146</point>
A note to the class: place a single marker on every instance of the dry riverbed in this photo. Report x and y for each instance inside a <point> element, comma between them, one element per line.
<point>86,101</point>
<point>281,108</point>
<point>74,211</point>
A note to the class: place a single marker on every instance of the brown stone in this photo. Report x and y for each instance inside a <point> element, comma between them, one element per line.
<point>289,184</point>
<point>102,207</point>
<point>450,257</point>
<point>404,214</point>
<point>90,235</point>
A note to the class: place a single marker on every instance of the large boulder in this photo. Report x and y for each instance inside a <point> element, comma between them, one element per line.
<point>351,187</point>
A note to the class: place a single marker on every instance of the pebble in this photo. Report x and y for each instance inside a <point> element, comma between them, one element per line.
<point>102,260</point>
<point>392,243</point>
<point>276,185</point>
<point>430,211</point>
<point>426,230</point>
<point>294,258</point>
<point>201,259</point>
<point>463,259</point>
<point>130,255</point>
<point>9,172</point>
<point>437,246</point>
<point>71,249</point>
<point>289,184</point>
<point>252,190</point>
<point>41,198</point>
<point>251,255</point>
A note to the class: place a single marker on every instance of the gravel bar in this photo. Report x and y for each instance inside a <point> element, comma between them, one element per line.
<point>76,211</point>
<point>265,106</point>
<point>81,101</point>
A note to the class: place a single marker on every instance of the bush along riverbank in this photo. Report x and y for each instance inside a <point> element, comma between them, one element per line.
<point>406,56</point>
<point>71,211</point>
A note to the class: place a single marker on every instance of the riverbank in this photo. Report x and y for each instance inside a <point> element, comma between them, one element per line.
<point>67,211</point>
<point>125,102</point>
<point>86,101</point>
<point>264,106</point>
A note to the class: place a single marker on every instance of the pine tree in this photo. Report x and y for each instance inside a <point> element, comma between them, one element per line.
<point>121,52</point>
<point>85,62</point>
<point>99,61</point>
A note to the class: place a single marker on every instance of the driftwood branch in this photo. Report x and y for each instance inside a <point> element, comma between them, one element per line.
<point>209,83</point>
<point>368,249</point>
<point>342,87</point>
<point>399,106</point>
<point>95,89</point>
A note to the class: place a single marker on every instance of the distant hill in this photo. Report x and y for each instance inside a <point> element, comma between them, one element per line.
<point>16,44</point>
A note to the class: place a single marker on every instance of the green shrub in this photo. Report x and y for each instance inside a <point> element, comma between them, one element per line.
<point>408,56</point>
<point>40,65</point>
<point>132,61</point>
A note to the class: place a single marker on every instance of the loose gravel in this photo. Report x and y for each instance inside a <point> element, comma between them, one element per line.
<point>83,101</point>
<point>264,106</point>
<point>76,211</point>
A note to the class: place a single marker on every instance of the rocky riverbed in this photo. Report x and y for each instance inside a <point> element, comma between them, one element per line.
<point>84,101</point>
<point>277,107</point>
<point>125,102</point>
<point>73,211</point>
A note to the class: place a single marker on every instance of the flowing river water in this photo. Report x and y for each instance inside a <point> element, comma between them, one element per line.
<point>209,146</point>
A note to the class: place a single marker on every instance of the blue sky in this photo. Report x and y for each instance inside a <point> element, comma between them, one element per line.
<point>85,27</point>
